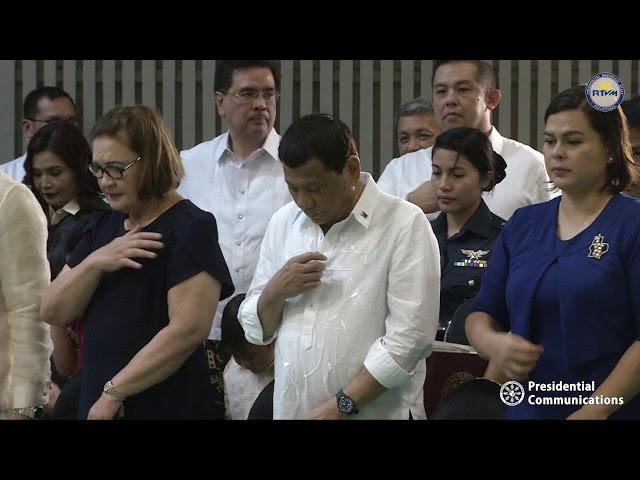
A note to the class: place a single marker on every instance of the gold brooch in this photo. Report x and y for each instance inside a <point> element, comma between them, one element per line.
<point>598,247</point>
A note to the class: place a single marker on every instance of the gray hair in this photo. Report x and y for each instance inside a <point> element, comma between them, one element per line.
<point>413,107</point>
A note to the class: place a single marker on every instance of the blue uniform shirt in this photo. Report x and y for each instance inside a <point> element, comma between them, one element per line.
<point>464,258</point>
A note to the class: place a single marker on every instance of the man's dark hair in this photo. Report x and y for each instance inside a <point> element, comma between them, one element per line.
<point>318,136</point>
<point>225,69</point>
<point>232,334</point>
<point>485,73</point>
<point>631,109</point>
<point>30,109</point>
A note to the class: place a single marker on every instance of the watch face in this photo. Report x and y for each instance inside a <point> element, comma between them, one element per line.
<point>345,404</point>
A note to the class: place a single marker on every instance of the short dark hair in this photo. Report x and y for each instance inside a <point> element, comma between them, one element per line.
<point>631,109</point>
<point>318,136</point>
<point>66,141</point>
<point>417,106</point>
<point>232,334</point>
<point>225,69</point>
<point>30,108</point>
<point>485,73</point>
<point>614,133</point>
<point>143,131</point>
<point>476,147</point>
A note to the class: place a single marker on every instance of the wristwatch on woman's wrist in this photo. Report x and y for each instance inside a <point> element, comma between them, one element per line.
<point>109,389</point>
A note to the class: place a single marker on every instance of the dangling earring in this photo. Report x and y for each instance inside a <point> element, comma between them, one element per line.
<point>610,159</point>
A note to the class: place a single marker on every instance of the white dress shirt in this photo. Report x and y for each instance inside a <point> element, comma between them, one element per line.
<point>377,306</point>
<point>15,168</point>
<point>242,195</point>
<point>25,345</point>
<point>526,182</point>
<point>241,389</point>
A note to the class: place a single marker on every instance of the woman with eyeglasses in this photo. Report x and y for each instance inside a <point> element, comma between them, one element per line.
<point>148,276</point>
<point>56,172</point>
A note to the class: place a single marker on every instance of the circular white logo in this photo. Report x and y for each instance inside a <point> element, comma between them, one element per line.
<point>512,393</point>
<point>604,92</point>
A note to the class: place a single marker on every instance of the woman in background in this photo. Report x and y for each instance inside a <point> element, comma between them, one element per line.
<point>57,172</point>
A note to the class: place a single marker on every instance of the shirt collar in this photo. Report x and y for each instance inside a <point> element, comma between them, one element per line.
<point>271,144</point>
<point>365,206</point>
<point>70,208</point>
<point>497,141</point>
<point>363,211</point>
<point>223,149</point>
<point>479,223</point>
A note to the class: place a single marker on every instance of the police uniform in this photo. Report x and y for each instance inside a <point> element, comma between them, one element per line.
<point>463,259</point>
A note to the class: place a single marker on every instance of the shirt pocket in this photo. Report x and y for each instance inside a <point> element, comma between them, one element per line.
<point>343,274</point>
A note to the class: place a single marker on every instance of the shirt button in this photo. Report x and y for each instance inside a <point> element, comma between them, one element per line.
<point>237,270</point>
<point>240,217</point>
<point>238,243</point>
<point>242,192</point>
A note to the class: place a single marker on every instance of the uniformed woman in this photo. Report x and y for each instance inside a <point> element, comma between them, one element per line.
<point>464,166</point>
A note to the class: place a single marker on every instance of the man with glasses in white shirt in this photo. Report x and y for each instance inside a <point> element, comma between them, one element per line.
<point>238,177</point>
<point>347,286</point>
<point>41,106</point>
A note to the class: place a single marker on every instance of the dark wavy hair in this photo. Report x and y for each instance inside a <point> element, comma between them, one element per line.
<point>613,130</point>
<point>476,147</point>
<point>66,141</point>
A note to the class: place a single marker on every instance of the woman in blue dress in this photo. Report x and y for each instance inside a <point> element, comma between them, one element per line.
<point>147,275</point>
<point>559,307</point>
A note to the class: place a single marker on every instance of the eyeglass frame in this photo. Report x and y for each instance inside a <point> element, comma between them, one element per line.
<point>255,94</point>
<point>103,170</point>
<point>74,120</point>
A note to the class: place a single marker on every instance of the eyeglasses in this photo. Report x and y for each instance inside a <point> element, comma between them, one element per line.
<point>74,120</point>
<point>114,172</point>
<point>249,96</point>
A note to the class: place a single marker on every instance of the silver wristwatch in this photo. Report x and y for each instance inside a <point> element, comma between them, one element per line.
<point>31,412</point>
<point>109,389</point>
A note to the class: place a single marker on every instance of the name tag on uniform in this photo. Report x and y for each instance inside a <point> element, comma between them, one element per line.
<point>474,258</point>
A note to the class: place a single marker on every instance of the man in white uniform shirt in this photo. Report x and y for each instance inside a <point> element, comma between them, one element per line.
<point>464,95</point>
<point>238,177</point>
<point>347,285</point>
<point>41,106</point>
